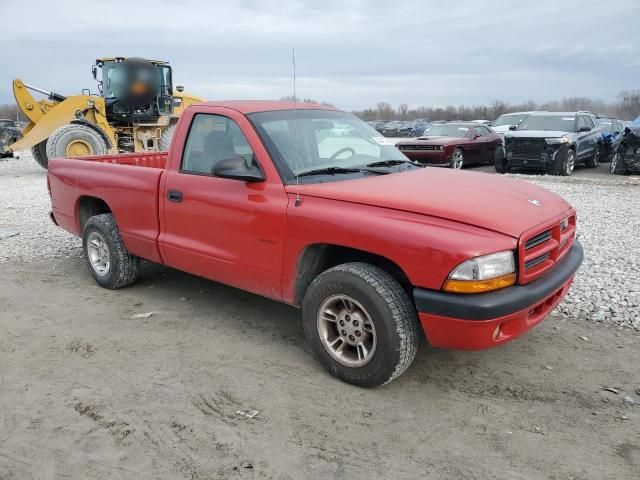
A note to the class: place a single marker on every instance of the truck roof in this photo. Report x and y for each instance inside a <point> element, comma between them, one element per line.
<point>253,106</point>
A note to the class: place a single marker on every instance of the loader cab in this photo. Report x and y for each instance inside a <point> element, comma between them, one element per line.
<point>135,90</point>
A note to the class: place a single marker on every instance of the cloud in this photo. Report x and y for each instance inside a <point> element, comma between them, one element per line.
<point>352,54</point>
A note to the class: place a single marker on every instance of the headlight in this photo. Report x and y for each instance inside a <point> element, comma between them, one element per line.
<point>483,274</point>
<point>441,147</point>
<point>556,141</point>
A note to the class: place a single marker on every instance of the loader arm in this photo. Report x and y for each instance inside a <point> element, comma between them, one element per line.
<point>47,115</point>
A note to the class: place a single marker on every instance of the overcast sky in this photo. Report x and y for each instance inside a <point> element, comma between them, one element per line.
<point>351,53</point>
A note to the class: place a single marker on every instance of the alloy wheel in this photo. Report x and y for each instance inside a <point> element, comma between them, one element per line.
<point>346,331</point>
<point>98,253</point>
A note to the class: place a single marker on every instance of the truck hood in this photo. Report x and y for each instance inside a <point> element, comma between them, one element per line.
<point>536,134</point>
<point>487,201</point>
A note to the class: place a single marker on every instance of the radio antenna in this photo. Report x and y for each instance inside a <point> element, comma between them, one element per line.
<point>295,128</point>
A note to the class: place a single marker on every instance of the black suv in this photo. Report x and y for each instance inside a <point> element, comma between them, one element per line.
<point>553,142</point>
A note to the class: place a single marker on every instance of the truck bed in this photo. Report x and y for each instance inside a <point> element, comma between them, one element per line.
<point>146,159</point>
<point>129,185</point>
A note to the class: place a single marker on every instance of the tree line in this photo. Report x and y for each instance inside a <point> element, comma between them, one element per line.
<point>626,106</point>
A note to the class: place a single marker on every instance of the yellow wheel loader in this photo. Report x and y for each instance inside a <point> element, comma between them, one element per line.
<point>136,110</point>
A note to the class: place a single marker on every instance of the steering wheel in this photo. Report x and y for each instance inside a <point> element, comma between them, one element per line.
<point>341,151</point>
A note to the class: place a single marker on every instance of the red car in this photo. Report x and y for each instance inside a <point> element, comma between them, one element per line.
<point>454,145</point>
<point>264,197</point>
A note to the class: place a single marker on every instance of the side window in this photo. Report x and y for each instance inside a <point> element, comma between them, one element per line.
<point>480,131</point>
<point>581,122</point>
<point>213,138</point>
<point>589,122</point>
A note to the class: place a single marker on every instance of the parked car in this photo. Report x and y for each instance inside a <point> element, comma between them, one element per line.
<point>626,159</point>
<point>369,245</point>
<point>553,142</point>
<point>412,129</point>
<point>454,145</point>
<point>482,122</point>
<point>501,124</point>
<point>10,132</point>
<point>392,128</point>
<point>341,130</point>
<point>611,130</point>
<point>377,124</point>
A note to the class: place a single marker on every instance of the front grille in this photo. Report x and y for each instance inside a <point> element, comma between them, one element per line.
<point>539,250</point>
<point>536,261</point>
<point>538,239</point>
<point>418,147</point>
<point>527,148</point>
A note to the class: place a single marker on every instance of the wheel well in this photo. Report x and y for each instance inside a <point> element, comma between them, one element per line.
<point>90,206</point>
<point>317,258</point>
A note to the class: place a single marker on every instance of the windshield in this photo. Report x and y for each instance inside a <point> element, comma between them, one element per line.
<point>548,122</point>
<point>447,130</point>
<point>325,139</point>
<point>509,120</point>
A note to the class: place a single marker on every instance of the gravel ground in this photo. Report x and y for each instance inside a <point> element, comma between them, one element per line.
<point>606,289</point>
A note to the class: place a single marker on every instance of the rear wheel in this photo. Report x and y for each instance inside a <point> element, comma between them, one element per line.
<point>594,161</point>
<point>360,324</point>
<point>457,159</point>
<point>75,140</point>
<point>39,152</point>
<point>107,258</point>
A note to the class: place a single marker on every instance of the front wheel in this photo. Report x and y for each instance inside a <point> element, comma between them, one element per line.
<point>565,163</point>
<point>457,159</point>
<point>360,324</point>
<point>107,258</point>
<point>500,161</point>
<point>617,166</point>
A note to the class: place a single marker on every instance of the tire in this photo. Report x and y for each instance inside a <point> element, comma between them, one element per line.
<point>391,336</point>
<point>102,246</point>
<point>500,162</point>
<point>165,138</point>
<point>75,140</point>
<point>564,164</point>
<point>617,165</point>
<point>39,152</point>
<point>457,159</point>
<point>594,161</point>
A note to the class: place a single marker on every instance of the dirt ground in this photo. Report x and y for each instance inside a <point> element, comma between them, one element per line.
<point>88,391</point>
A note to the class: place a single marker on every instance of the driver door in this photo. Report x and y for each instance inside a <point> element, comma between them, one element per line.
<point>223,229</point>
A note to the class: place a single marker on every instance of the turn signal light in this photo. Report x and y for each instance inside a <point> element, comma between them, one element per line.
<point>479,286</point>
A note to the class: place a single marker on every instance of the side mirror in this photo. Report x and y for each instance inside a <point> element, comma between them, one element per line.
<point>236,168</point>
<point>512,127</point>
<point>476,136</point>
<point>584,129</point>
<point>94,71</point>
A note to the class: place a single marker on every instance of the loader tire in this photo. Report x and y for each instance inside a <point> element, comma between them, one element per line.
<point>39,152</point>
<point>75,141</point>
<point>165,138</point>
<point>107,258</point>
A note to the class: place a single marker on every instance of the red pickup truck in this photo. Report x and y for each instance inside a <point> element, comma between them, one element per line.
<point>273,198</point>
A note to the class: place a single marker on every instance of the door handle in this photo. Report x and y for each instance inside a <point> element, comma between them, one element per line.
<point>174,196</point>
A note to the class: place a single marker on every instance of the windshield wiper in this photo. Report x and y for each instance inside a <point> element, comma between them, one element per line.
<point>330,171</point>
<point>388,163</point>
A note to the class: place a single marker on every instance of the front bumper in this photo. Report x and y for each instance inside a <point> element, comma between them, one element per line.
<point>428,157</point>
<point>480,321</point>
<point>541,158</point>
